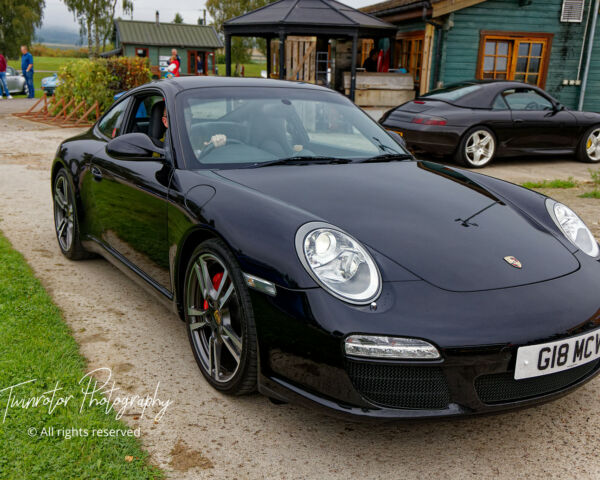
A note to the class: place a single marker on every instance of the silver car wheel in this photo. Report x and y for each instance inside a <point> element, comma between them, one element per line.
<point>592,145</point>
<point>63,213</point>
<point>480,148</point>
<point>214,315</point>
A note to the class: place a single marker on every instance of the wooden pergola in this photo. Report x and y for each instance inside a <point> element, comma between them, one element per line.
<point>320,18</point>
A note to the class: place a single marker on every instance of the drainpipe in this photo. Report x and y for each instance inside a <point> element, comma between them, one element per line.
<point>583,42</point>
<point>588,60</point>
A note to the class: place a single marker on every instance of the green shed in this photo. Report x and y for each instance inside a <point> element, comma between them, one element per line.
<point>542,42</point>
<point>195,44</point>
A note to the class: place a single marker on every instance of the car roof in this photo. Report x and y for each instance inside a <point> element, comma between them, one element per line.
<point>482,97</point>
<point>192,81</point>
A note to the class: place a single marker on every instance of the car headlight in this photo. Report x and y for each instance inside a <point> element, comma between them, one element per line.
<point>573,227</point>
<point>338,262</point>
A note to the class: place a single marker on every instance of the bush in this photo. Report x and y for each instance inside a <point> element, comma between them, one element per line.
<point>100,79</point>
<point>129,72</point>
<point>87,80</point>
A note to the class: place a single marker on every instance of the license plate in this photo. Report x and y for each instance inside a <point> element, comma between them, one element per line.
<point>547,358</point>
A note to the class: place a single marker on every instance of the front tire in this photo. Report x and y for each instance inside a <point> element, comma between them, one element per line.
<point>220,319</point>
<point>477,148</point>
<point>66,223</point>
<point>588,150</point>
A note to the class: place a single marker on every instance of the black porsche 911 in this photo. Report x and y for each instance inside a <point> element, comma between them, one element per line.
<point>314,260</point>
<point>480,120</point>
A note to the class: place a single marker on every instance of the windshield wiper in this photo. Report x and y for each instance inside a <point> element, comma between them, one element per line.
<point>387,157</point>
<point>300,160</point>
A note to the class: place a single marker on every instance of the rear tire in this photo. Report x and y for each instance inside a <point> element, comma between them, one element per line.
<point>477,148</point>
<point>588,150</point>
<point>220,319</point>
<point>66,223</point>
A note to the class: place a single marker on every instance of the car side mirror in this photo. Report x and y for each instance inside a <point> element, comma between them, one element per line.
<point>398,138</point>
<point>137,145</point>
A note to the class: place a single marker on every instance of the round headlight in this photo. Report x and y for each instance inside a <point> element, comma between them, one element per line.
<point>338,262</point>
<point>573,227</point>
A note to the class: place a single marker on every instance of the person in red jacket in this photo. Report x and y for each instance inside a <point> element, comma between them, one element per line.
<point>3,85</point>
<point>174,64</point>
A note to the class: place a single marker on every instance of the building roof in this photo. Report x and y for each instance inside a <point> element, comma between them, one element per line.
<point>390,4</point>
<point>317,16</point>
<point>133,32</point>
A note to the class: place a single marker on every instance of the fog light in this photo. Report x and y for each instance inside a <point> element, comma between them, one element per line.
<point>390,347</point>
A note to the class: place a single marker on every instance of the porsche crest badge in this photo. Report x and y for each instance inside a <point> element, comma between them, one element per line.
<point>512,261</point>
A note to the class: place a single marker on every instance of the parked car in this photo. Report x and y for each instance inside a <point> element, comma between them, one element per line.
<point>15,81</point>
<point>49,84</point>
<point>480,120</point>
<point>312,258</point>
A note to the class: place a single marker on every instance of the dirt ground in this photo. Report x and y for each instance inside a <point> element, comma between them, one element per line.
<point>207,435</point>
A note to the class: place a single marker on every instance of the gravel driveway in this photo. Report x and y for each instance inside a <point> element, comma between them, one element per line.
<point>207,435</point>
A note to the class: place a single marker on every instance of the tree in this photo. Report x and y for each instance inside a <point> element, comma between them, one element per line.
<point>18,20</point>
<point>178,18</point>
<point>222,10</point>
<point>96,20</point>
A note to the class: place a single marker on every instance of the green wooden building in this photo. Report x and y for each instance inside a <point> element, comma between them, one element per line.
<point>195,44</point>
<point>542,42</point>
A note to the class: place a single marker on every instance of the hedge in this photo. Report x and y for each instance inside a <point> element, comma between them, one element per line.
<point>100,79</point>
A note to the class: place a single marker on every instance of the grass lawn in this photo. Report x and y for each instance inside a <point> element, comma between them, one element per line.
<point>569,183</point>
<point>51,64</point>
<point>35,343</point>
<point>250,69</point>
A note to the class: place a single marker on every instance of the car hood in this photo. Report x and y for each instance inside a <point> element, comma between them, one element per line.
<point>432,220</point>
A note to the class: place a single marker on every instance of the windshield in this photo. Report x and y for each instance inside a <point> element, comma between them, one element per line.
<point>231,127</point>
<point>453,92</point>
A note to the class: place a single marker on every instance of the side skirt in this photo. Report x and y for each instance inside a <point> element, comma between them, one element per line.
<point>133,272</point>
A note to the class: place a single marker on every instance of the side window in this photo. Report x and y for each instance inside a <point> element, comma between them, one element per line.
<point>526,99</point>
<point>10,71</point>
<point>499,103</point>
<point>140,120</point>
<point>112,122</point>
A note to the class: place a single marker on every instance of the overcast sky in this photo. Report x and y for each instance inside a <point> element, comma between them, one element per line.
<point>57,15</point>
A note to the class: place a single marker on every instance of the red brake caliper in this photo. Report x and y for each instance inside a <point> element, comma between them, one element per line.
<point>216,281</point>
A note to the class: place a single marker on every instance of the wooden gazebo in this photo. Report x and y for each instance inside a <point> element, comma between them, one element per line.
<point>319,18</point>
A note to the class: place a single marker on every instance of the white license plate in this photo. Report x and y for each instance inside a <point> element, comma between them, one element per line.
<point>546,358</point>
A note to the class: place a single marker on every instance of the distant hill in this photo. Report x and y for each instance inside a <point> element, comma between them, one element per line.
<point>57,35</point>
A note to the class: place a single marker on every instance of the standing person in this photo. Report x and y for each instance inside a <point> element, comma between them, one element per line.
<point>3,85</point>
<point>370,63</point>
<point>27,69</point>
<point>175,54</point>
<point>174,64</point>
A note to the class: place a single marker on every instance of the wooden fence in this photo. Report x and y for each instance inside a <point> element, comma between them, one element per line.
<point>61,113</point>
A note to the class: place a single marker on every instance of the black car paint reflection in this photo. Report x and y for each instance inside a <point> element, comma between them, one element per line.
<point>444,278</point>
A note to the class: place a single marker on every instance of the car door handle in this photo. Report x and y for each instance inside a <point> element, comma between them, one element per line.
<point>96,173</point>
<point>519,120</point>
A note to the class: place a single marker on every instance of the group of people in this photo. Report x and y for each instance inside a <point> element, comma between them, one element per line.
<point>26,68</point>
<point>174,64</point>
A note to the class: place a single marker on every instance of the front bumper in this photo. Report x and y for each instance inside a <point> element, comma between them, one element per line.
<point>301,336</point>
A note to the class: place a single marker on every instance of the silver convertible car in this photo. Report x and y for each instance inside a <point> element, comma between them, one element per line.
<point>15,81</point>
